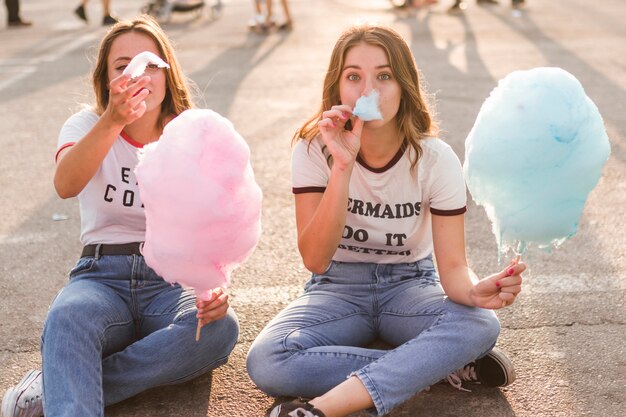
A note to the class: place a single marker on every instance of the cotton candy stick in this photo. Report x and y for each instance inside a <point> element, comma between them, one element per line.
<point>516,260</point>
<point>367,107</point>
<point>138,64</point>
<point>199,327</point>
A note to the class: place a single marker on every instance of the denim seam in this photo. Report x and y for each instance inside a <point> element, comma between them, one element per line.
<point>372,390</point>
<point>213,365</point>
<point>284,341</point>
<point>111,325</point>
<point>363,370</point>
<point>294,352</point>
<point>401,314</point>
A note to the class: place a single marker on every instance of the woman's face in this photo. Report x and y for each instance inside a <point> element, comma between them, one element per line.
<point>367,68</point>
<point>123,49</point>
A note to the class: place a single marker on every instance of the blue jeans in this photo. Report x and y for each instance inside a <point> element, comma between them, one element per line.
<point>320,339</point>
<point>117,329</point>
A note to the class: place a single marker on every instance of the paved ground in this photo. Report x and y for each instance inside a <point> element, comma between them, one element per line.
<point>565,335</point>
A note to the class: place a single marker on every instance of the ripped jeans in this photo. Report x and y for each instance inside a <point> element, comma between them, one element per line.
<point>320,339</point>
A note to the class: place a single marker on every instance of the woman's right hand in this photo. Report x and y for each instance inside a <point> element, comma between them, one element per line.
<point>126,99</point>
<point>342,144</point>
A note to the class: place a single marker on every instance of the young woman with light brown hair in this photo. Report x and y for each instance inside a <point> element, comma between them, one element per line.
<point>374,200</point>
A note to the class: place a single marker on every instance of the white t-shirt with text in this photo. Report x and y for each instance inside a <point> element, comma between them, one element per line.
<point>111,210</point>
<point>389,208</point>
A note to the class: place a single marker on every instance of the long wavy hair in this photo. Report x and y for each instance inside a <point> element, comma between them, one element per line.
<point>414,118</point>
<point>177,96</point>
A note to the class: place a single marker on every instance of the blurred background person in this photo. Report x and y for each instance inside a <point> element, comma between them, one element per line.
<point>13,12</point>
<point>460,5</point>
<point>263,19</point>
<point>107,18</point>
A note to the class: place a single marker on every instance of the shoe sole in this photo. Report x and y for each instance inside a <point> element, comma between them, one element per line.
<point>12,397</point>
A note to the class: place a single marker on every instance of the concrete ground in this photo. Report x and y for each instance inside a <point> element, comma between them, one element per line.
<point>566,332</point>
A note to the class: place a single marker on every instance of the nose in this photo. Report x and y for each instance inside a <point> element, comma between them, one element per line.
<point>368,85</point>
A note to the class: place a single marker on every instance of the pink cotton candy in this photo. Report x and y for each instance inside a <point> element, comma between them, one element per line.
<point>202,204</point>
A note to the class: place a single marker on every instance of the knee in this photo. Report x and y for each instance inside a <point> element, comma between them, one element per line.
<point>63,316</point>
<point>486,327</point>
<point>229,329</point>
<point>226,330</point>
<point>262,363</point>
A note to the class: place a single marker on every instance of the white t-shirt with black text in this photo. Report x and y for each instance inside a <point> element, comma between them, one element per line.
<point>389,208</point>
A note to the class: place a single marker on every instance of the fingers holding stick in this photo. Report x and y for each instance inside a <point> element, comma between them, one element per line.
<point>511,270</point>
<point>200,304</point>
<point>214,306</point>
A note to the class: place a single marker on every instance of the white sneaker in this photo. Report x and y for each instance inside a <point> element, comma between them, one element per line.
<point>26,398</point>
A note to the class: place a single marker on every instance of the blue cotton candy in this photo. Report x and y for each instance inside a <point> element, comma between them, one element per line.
<point>535,152</point>
<point>366,107</point>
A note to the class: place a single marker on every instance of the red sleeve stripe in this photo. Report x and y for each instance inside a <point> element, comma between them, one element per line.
<point>455,212</point>
<point>66,145</point>
<point>303,190</point>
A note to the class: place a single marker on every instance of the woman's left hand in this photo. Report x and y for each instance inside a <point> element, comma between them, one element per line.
<point>215,308</point>
<point>499,290</point>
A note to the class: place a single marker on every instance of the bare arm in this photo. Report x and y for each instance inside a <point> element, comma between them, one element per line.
<point>458,280</point>
<point>76,165</point>
<point>320,217</point>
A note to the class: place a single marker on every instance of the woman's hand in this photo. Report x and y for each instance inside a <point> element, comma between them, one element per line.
<point>342,144</point>
<point>499,290</point>
<point>126,99</point>
<point>215,308</point>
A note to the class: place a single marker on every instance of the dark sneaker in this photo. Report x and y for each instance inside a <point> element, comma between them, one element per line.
<point>20,23</point>
<point>295,408</point>
<point>80,12</point>
<point>108,20</point>
<point>26,398</point>
<point>494,369</point>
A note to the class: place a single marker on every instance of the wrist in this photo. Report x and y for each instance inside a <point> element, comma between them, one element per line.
<point>110,124</point>
<point>472,298</point>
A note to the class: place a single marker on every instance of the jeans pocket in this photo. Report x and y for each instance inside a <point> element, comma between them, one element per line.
<point>320,279</point>
<point>83,265</point>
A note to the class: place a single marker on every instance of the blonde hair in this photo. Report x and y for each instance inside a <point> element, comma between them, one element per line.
<point>414,117</point>
<point>178,95</point>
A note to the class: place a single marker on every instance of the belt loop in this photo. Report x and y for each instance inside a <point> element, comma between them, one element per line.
<point>97,254</point>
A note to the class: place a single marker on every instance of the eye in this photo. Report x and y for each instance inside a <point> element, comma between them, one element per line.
<point>353,77</point>
<point>384,76</point>
<point>152,67</point>
<point>121,67</point>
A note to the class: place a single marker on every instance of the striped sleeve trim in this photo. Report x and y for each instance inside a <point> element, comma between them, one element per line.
<point>303,190</point>
<point>66,145</point>
<point>454,212</point>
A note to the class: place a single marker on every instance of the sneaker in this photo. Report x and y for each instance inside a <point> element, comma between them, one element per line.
<point>295,408</point>
<point>26,398</point>
<point>494,369</point>
<point>80,12</point>
<point>108,20</point>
